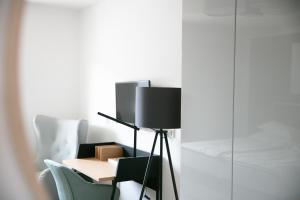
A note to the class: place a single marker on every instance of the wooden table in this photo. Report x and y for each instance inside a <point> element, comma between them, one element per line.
<point>97,170</point>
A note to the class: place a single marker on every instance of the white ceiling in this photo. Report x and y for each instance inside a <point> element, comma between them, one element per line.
<point>77,4</point>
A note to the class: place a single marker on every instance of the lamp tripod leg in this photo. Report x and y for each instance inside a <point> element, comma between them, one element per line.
<point>171,166</point>
<point>161,166</point>
<point>148,167</point>
<point>134,142</point>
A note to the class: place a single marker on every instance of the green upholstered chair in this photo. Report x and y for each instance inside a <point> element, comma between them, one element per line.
<point>71,186</point>
<point>57,139</point>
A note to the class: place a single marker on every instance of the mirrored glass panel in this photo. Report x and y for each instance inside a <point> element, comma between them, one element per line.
<point>266,159</point>
<point>207,96</point>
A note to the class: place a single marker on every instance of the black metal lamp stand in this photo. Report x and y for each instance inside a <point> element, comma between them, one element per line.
<point>158,108</point>
<point>162,134</point>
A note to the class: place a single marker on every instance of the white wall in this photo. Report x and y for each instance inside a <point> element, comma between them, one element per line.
<point>124,41</point>
<point>70,61</point>
<point>49,62</point>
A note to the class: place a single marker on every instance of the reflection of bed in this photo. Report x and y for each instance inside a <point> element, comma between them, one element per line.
<point>266,164</point>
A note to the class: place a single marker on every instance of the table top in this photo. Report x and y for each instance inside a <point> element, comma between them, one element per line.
<point>93,168</point>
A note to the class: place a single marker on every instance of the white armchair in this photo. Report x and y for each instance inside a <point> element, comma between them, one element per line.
<point>57,139</point>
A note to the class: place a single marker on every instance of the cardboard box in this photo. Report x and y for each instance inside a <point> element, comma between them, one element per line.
<point>105,152</point>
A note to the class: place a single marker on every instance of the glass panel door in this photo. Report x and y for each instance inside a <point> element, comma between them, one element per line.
<point>266,159</point>
<point>207,96</point>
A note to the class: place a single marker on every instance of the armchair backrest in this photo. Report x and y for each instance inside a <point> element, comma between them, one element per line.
<point>58,139</point>
<point>71,186</point>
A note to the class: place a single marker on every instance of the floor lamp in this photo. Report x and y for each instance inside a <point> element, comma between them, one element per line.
<point>159,109</point>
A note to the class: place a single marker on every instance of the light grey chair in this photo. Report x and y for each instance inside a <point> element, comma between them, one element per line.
<point>71,186</point>
<point>57,139</point>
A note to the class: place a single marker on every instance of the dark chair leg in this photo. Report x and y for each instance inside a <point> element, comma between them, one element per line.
<point>114,183</point>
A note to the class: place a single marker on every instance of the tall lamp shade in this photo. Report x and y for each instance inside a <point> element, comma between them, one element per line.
<point>158,107</point>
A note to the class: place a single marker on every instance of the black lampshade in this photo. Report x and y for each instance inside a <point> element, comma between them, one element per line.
<point>158,107</point>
